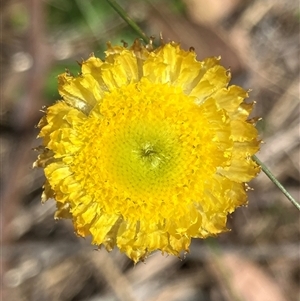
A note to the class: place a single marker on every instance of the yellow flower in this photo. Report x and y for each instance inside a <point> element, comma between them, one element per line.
<point>148,149</point>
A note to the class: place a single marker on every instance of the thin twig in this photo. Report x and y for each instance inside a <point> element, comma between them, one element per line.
<point>127,19</point>
<point>266,170</point>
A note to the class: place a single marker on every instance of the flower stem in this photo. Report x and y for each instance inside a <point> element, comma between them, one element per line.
<point>266,170</point>
<point>127,19</point>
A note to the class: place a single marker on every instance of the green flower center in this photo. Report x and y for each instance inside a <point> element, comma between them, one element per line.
<point>144,157</point>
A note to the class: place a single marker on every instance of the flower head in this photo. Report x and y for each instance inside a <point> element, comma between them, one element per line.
<point>148,149</point>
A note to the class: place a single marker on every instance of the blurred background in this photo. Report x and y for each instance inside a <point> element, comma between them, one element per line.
<point>42,259</point>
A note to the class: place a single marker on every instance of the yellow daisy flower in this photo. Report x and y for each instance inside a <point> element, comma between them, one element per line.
<point>148,149</point>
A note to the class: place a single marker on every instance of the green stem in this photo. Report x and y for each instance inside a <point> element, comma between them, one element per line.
<point>276,182</point>
<point>127,19</point>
